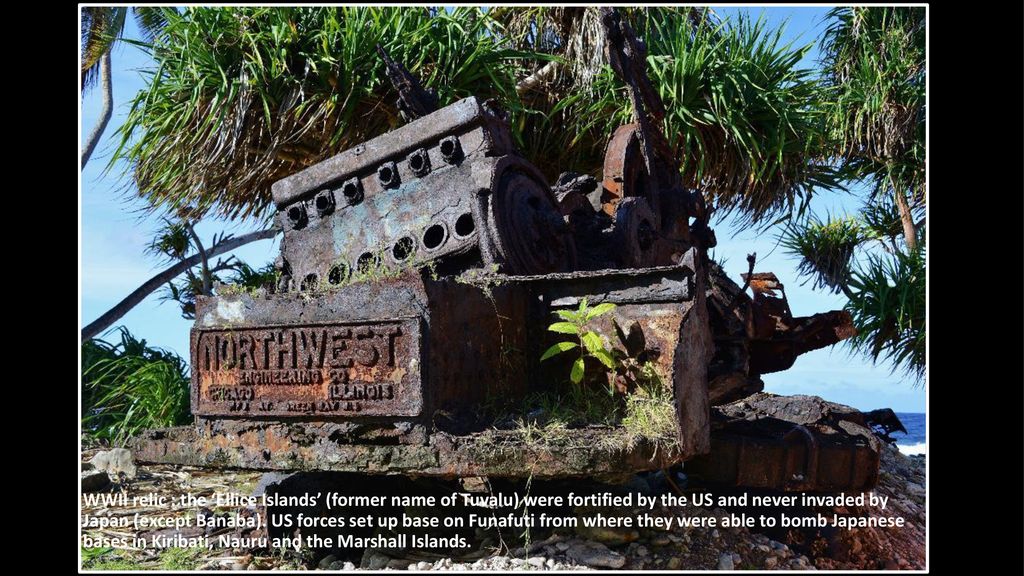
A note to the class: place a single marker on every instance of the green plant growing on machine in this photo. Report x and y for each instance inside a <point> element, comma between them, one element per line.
<point>628,366</point>
<point>587,342</point>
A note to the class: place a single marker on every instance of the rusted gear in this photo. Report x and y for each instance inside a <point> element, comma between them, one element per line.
<point>636,226</point>
<point>527,227</point>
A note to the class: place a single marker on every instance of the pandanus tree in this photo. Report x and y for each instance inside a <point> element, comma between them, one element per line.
<point>874,78</point>
<point>241,97</point>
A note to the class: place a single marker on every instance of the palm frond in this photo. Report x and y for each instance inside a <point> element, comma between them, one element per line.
<point>825,248</point>
<point>875,72</point>
<point>242,97</point>
<point>130,386</point>
<point>888,309</point>
<point>101,27</point>
<point>150,20</point>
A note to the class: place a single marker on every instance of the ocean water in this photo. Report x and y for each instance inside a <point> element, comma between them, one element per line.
<point>913,442</point>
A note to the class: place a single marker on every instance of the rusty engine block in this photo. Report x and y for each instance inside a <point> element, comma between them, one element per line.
<point>419,273</point>
<point>444,185</point>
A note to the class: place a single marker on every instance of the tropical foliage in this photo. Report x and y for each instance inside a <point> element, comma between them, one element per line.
<point>875,117</point>
<point>826,248</point>
<point>177,241</point>
<point>742,116</point>
<point>102,28</point>
<point>888,308</point>
<point>241,97</point>
<point>129,386</point>
<point>875,73</point>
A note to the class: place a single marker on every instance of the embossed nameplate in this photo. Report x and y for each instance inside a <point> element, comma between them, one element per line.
<point>315,370</point>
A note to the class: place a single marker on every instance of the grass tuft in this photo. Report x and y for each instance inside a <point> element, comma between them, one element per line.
<point>650,413</point>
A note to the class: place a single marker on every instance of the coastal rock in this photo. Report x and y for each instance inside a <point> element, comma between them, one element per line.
<point>660,540</point>
<point>610,536</point>
<point>327,561</point>
<point>94,480</point>
<point>115,462</point>
<point>595,555</point>
<point>373,560</point>
<point>725,562</point>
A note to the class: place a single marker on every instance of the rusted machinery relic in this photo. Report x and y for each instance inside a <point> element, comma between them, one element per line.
<point>789,443</point>
<point>419,273</point>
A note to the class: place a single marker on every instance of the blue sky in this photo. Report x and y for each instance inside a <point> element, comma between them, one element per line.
<point>115,233</point>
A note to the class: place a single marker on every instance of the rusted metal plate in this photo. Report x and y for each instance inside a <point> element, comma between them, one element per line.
<point>667,302</point>
<point>322,370</point>
<point>658,299</point>
<point>791,443</point>
<point>789,458</point>
<point>446,357</point>
<point>419,354</point>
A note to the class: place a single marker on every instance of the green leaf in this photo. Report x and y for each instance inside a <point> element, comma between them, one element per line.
<point>564,328</point>
<point>570,315</point>
<point>577,371</point>
<point>600,309</point>
<point>558,349</point>
<point>604,357</point>
<point>583,306</point>
<point>593,342</point>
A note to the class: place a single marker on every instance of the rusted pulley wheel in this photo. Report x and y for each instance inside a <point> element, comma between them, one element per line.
<point>624,172</point>
<point>528,230</point>
<point>636,227</point>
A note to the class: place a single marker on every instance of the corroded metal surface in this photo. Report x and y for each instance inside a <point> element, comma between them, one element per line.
<point>443,185</point>
<point>777,338</point>
<point>790,443</point>
<point>362,368</point>
<point>413,100</point>
<point>393,347</point>
<point>623,168</point>
<point>413,347</point>
<point>271,445</point>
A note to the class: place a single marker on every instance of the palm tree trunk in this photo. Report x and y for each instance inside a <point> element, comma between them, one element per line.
<point>140,293</point>
<point>909,231</point>
<point>108,108</point>
<point>203,259</point>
